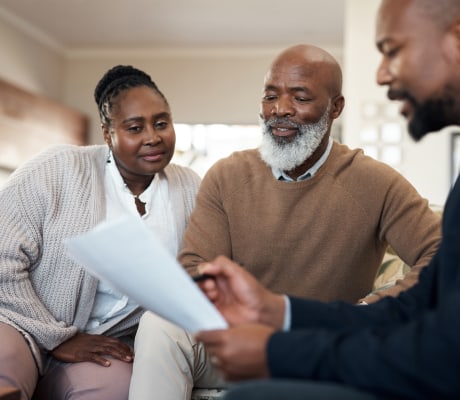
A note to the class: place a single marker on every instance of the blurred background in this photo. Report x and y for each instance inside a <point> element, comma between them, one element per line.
<point>209,58</point>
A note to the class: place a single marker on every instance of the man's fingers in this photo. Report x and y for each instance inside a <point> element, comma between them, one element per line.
<point>209,338</point>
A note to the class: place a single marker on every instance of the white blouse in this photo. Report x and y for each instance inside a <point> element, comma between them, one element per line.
<point>158,216</point>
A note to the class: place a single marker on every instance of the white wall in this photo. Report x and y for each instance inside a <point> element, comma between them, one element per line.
<point>427,163</point>
<point>30,60</point>
<point>214,86</point>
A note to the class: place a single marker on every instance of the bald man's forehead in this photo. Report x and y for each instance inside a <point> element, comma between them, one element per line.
<point>291,71</point>
<point>299,74</point>
<point>315,77</point>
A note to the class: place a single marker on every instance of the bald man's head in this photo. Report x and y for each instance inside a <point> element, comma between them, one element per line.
<point>313,61</point>
<point>302,96</point>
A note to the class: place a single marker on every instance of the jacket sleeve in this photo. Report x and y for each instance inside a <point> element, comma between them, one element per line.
<point>417,359</point>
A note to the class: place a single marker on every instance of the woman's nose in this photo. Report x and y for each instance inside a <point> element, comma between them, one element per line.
<point>151,136</point>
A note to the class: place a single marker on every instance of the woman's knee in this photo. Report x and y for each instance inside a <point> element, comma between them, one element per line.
<point>17,365</point>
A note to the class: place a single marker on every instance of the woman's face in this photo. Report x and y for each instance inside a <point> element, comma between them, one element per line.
<point>141,133</point>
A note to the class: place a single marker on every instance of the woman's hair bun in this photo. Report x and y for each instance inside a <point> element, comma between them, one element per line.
<point>119,76</point>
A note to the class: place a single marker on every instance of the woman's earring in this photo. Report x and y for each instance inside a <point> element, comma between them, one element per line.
<point>109,156</point>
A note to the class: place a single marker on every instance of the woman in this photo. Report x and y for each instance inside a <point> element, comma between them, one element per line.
<point>63,333</point>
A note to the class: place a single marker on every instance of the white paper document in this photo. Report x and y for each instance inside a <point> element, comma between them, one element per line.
<point>128,256</point>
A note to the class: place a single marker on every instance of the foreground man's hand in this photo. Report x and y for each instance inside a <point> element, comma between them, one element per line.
<point>238,352</point>
<point>239,296</point>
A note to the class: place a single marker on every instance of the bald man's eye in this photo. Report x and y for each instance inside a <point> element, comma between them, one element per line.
<point>303,99</point>
<point>269,97</point>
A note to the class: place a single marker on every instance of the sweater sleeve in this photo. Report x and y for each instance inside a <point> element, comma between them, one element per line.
<point>411,228</point>
<point>207,235</point>
<point>22,217</point>
<point>184,184</point>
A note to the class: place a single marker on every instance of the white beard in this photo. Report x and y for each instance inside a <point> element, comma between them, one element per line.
<point>286,154</point>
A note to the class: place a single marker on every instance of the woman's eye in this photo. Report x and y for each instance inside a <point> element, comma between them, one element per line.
<point>135,129</point>
<point>161,125</point>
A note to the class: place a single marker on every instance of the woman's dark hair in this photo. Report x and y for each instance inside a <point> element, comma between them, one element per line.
<point>114,81</point>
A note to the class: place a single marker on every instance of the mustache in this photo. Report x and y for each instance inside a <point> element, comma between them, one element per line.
<point>400,94</point>
<point>281,121</point>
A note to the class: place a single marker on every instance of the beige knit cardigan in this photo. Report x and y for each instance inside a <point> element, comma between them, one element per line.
<point>56,195</point>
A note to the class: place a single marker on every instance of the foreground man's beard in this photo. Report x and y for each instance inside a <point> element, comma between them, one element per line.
<point>431,116</point>
<point>287,153</point>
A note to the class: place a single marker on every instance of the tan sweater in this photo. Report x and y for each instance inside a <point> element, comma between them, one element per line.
<point>322,238</point>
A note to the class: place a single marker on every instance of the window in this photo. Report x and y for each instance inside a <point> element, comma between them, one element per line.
<point>200,146</point>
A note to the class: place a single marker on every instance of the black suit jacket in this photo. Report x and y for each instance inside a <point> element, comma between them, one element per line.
<point>405,347</point>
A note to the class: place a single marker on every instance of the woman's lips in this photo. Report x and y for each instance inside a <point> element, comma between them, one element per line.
<point>152,157</point>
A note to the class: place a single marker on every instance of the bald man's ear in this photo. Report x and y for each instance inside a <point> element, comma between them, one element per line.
<point>338,103</point>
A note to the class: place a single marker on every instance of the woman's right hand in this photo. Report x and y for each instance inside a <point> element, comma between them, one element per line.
<point>92,348</point>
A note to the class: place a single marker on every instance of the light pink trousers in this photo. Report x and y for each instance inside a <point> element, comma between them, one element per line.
<point>69,381</point>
